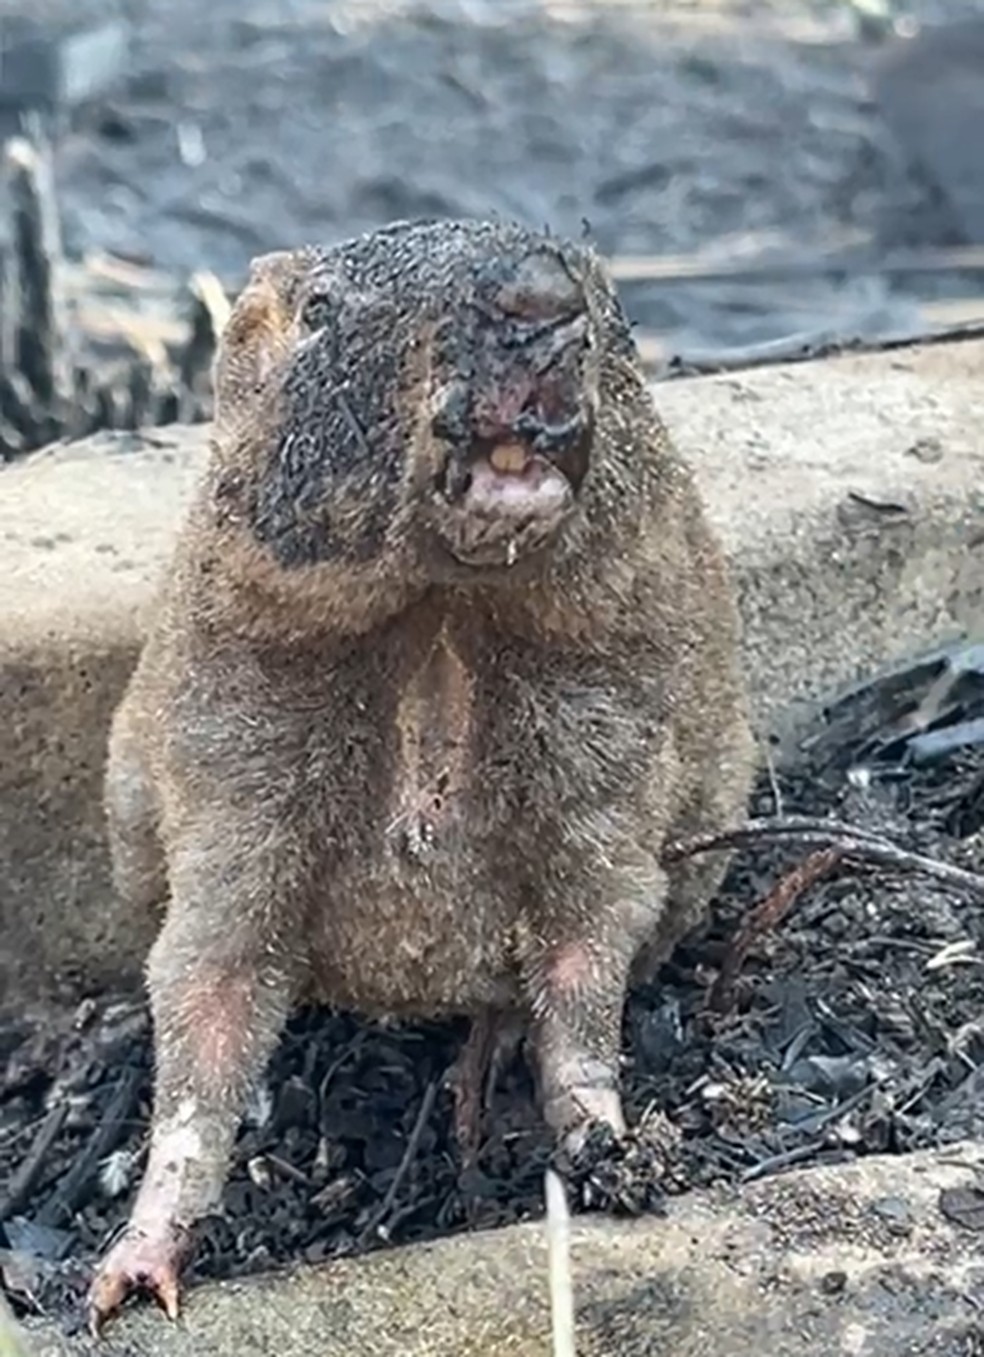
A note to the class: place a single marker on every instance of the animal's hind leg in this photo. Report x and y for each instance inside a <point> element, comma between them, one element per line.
<point>139,870</point>
<point>491,1043</point>
<point>692,883</point>
<point>692,886</point>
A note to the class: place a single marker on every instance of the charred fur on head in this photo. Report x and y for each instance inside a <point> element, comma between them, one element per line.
<point>447,653</point>
<point>439,402</point>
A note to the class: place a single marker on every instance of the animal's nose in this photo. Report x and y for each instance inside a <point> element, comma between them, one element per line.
<point>541,288</point>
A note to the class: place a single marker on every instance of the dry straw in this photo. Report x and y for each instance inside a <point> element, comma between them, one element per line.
<point>559,1254</point>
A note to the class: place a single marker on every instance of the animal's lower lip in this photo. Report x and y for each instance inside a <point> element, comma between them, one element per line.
<point>482,561</point>
<point>503,518</point>
<point>499,557</point>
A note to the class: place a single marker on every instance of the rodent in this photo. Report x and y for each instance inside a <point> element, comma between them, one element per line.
<point>446,654</point>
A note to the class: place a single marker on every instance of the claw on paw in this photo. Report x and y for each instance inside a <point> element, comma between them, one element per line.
<point>136,1263</point>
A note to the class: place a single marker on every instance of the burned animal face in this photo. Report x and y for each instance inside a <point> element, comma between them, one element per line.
<point>513,421</point>
<point>435,402</point>
<point>332,484</point>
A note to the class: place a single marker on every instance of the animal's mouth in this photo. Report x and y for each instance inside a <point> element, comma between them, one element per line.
<point>514,421</point>
<point>513,480</point>
<point>509,500</point>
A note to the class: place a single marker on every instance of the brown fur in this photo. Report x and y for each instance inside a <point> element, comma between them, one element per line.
<point>375,778</point>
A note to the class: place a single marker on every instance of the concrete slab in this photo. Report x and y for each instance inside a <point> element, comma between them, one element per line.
<point>852,1261</point>
<point>83,531</point>
<point>849,492</point>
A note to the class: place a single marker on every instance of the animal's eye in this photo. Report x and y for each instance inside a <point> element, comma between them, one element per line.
<point>317,311</point>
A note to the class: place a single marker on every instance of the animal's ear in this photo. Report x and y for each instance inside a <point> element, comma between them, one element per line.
<point>258,330</point>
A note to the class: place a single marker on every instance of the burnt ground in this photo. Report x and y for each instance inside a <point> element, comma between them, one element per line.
<point>243,127</point>
<point>854,1028</point>
<point>855,1025</point>
<point>773,139</point>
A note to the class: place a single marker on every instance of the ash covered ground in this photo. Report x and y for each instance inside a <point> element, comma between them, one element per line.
<point>719,128</point>
<point>854,1027</point>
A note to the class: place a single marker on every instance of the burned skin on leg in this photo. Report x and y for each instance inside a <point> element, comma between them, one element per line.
<point>598,894</point>
<point>220,990</point>
<point>576,974</point>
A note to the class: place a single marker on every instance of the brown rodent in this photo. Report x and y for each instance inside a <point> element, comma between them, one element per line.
<point>446,653</point>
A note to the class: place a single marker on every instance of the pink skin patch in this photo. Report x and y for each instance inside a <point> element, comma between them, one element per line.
<point>538,490</point>
<point>214,1014</point>
<point>138,1262</point>
<point>576,1084</point>
<point>569,969</point>
<point>211,1017</point>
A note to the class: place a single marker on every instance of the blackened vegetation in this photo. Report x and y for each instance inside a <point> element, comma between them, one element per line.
<point>60,377</point>
<point>855,1029</point>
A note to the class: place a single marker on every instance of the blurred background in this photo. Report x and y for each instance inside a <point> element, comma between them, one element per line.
<point>768,177</point>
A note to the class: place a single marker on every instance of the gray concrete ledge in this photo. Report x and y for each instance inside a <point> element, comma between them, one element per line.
<point>849,492</point>
<point>852,1261</point>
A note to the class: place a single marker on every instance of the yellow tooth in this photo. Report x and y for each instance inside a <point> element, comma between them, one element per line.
<point>509,459</point>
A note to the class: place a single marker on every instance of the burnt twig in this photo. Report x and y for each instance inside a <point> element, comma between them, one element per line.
<point>766,915</point>
<point>22,1183</point>
<point>378,1222</point>
<point>287,1170</point>
<point>40,338</point>
<point>209,314</point>
<point>777,1162</point>
<point>806,348</point>
<point>854,843</point>
<point>69,1193</point>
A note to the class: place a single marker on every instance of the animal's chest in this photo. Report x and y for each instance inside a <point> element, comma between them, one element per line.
<point>452,758</point>
<point>435,742</point>
<point>414,907</point>
<point>445,783</point>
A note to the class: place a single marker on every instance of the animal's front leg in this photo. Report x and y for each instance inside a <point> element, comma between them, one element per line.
<point>577,978</point>
<point>220,992</point>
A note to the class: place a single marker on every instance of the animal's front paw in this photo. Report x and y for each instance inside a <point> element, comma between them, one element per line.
<point>626,1173</point>
<point>574,1112</point>
<point>138,1262</point>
